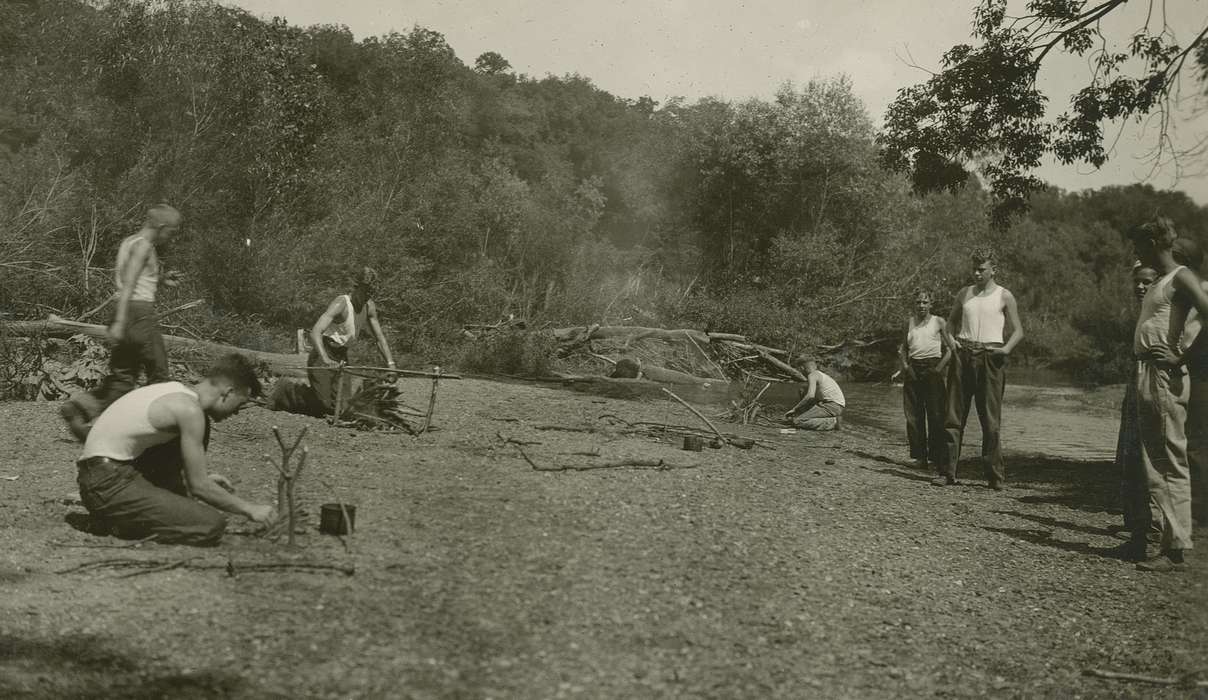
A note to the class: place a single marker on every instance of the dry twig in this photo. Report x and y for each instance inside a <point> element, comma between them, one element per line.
<point>697,413</point>
<point>1115,675</point>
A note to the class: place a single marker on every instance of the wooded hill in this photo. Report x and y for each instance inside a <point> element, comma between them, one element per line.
<point>297,154</point>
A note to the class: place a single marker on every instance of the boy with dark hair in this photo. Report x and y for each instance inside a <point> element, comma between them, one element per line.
<point>1133,487</point>
<point>924,355</point>
<point>144,463</point>
<point>138,345</point>
<point>978,371</point>
<point>335,330</point>
<point>1162,393</point>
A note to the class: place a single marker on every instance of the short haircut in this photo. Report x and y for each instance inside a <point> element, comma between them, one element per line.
<point>984,255</point>
<point>366,277</point>
<point>923,294</point>
<point>1187,252</point>
<point>1160,232</point>
<point>238,370</point>
<point>162,215</point>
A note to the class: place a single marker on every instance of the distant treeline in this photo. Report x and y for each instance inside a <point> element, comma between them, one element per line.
<point>297,154</point>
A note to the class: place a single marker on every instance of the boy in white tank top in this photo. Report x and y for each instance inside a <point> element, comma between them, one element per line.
<point>978,371</point>
<point>822,401</point>
<point>143,472</point>
<point>924,355</point>
<point>138,345</point>
<point>1162,394</point>
<point>345,318</point>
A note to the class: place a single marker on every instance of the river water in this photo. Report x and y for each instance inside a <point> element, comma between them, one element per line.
<point>1056,421</point>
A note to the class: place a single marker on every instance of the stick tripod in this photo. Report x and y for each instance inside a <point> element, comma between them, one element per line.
<point>288,478</point>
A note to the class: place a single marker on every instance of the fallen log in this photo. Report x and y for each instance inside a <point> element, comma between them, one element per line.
<point>783,367</point>
<point>281,364</point>
<point>733,337</point>
<point>755,347</point>
<point>579,334</point>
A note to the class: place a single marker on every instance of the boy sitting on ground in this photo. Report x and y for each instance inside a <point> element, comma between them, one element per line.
<point>821,402</point>
<point>144,460</point>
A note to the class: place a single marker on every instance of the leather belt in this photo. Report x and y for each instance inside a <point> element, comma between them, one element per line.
<point>88,462</point>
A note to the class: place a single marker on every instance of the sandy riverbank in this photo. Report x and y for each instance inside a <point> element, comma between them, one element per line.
<point>822,568</point>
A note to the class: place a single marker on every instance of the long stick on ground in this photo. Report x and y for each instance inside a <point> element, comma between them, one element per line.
<point>390,370</point>
<point>1116,675</point>
<point>697,413</point>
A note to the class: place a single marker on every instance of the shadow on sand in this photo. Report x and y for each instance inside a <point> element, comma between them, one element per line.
<point>1045,537</point>
<point>1086,485</point>
<point>89,666</point>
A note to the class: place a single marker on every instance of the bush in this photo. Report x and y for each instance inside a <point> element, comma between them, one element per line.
<point>511,352</point>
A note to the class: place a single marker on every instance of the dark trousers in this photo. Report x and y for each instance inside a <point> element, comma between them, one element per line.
<point>141,349</point>
<point>976,377</point>
<point>323,382</point>
<point>923,401</point>
<point>1134,486</point>
<point>1197,442</point>
<point>148,497</point>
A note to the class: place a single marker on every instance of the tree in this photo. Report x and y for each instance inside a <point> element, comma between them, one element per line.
<point>491,63</point>
<point>985,104</point>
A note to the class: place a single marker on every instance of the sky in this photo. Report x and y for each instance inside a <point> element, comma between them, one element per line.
<point>737,50</point>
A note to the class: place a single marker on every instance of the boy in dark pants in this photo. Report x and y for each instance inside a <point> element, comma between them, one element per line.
<point>144,463</point>
<point>978,370</point>
<point>138,345</point>
<point>344,319</point>
<point>924,355</point>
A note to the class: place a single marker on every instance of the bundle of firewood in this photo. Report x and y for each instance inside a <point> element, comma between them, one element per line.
<point>380,405</point>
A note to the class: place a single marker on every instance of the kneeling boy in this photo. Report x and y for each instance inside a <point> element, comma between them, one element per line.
<point>821,404</point>
<point>144,460</point>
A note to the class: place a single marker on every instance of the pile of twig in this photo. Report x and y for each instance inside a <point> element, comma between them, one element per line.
<point>380,406</point>
<point>747,409</point>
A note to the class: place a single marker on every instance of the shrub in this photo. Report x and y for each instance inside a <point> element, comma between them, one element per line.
<point>511,352</point>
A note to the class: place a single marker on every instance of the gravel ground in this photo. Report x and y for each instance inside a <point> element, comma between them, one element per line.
<point>821,568</point>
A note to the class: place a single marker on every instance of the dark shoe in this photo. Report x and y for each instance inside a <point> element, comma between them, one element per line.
<point>1128,551</point>
<point>79,423</point>
<point>1163,563</point>
<point>943,481</point>
<point>995,484</point>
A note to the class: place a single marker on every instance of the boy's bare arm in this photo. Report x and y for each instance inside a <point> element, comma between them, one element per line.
<point>945,347</point>
<point>904,352</point>
<point>379,336</point>
<point>954,319</point>
<point>191,422</point>
<point>1190,291</point>
<point>1012,312</point>
<point>326,319</point>
<point>806,400</point>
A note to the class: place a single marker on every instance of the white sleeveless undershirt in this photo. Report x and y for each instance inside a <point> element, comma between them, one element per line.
<point>148,278</point>
<point>344,332</point>
<point>828,389</point>
<point>982,318</point>
<point>124,430</point>
<point>1160,323</point>
<point>923,341</point>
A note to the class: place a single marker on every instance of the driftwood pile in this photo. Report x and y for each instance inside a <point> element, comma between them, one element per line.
<point>668,356</point>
